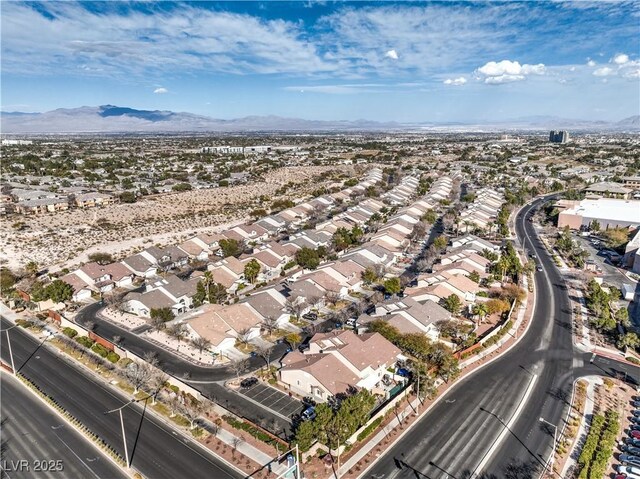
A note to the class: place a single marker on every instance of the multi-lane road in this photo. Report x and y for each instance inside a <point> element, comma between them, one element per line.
<point>155,449</point>
<point>489,425</point>
<point>38,443</point>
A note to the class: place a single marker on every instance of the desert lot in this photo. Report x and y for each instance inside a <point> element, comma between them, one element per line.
<point>66,238</point>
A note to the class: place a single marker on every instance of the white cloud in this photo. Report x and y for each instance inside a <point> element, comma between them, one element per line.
<point>455,81</point>
<point>500,79</point>
<point>620,59</point>
<point>631,74</point>
<point>160,90</point>
<point>130,43</point>
<point>603,72</point>
<point>507,67</point>
<point>507,71</point>
<point>591,63</point>
<point>391,54</point>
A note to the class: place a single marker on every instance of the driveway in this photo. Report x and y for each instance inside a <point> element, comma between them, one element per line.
<point>272,399</point>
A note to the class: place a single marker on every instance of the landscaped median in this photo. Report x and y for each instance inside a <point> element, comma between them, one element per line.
<point>176,406</point>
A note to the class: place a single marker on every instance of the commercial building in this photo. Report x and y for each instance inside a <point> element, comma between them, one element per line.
<point>609,212</point>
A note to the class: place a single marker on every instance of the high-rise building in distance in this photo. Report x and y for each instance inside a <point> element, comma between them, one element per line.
<point>560,136</point>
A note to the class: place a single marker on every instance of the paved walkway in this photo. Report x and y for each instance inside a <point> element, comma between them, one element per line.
<point>583,430</point>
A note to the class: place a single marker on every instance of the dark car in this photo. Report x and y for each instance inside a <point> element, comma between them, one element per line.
<point>370,309</point>
<point>303,347</point>
<point>248,382</point>
<point>310,316</point>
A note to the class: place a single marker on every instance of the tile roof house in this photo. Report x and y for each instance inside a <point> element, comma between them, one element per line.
<point>337,362</point>
<point>168,292</point>
<point>81,290</point>
<point>140,266</point>
<point>410,316</point>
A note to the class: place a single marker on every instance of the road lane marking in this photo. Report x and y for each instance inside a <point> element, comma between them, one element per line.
<point>507,427</point>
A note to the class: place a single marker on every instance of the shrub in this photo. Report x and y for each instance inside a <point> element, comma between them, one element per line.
<point>633,360</point>
<point>69,332</point>
<point>85,341</point>
<point>100,349</point>
<point>369,429</point>
<point>113,357</point>
<point>251,429</point>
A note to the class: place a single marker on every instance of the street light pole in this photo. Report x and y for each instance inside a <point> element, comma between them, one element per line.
<point>13,366</point>
<point>124,436</point>
<point>552,458</point>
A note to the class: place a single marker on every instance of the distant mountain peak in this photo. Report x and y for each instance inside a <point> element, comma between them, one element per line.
<point>119,119</point>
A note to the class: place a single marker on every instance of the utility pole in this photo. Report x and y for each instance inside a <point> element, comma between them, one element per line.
<point>418,396</point>
<point>552,458</point>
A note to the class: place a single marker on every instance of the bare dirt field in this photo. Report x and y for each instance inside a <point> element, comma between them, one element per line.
<point>66,238</point>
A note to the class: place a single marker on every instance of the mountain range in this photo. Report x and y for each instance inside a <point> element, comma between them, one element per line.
<point>116,119</point>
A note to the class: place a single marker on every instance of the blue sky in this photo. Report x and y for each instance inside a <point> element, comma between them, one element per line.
<point>386,61</point>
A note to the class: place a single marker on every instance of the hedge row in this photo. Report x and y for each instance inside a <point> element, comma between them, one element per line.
<point>370,428</point>
<point>503,331</point>
<point>251,429</point>
<point>599,445</point>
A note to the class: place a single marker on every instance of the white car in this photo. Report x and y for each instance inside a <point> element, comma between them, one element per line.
<point>631,472</point>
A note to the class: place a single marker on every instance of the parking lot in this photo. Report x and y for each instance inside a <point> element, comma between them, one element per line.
<point>273,399</point>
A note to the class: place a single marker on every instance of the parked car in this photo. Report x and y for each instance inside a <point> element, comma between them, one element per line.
<point>372,308</point>
<point>352,323</point>
<point>634,427</point>
<point>635,451</point>
<point>310,316</point>
<point>303,347</point>
<point>308,414</point>
<point>538,268</point>
<point>635,419</point>
<point>308,401</point>
<point>248,382</point>
<point>629,459</point>
<point>632,472</point>
<point>632,442</point>
<point>634,434</point>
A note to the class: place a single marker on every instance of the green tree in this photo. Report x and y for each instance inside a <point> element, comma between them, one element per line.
<point>306,435</point>
<point>452,303</point>
<point>230,247</point>
<point>595,226</point>
<point>387,330</point>
<point>32,268</point>
<point>440,242</point>
<point>392,285</point>
<point>430,217</point>
<point>622,317</point>
<point>294,340</point>
<point>127,197</point>
<point>165,314</point>
<point>369,276</point>
<point>59,291</point>
<point>628,340</point>
<point>8,280</point>
<point>252,270</point>
<point>307,258</point>
<point>474,276</point>
<point>101,258</point>
<point>480,310</point>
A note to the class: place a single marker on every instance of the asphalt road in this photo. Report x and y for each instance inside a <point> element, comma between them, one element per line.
<point>455,440</point>
<point>154,449</point>
<point>40,444</point>
<point>208,380</point>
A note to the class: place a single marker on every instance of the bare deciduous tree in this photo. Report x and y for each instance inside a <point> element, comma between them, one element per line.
<point>156,383</point>
<point>138,375</point>
<point>265,353</point>
<point>295,307</point>
<point>238,366</point>
<point>201,343</point>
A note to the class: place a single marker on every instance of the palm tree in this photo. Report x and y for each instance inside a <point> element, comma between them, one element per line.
<point>32,268</point>
<point>480,310</point>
